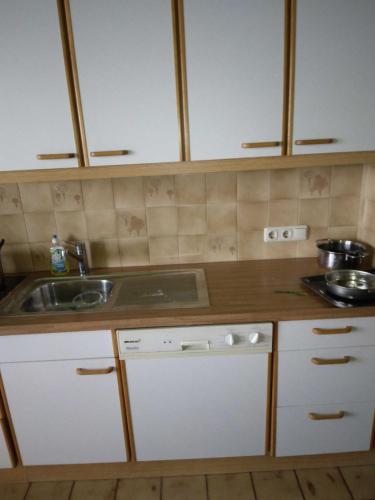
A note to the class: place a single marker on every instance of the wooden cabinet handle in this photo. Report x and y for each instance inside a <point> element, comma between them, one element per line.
<point>57,156</point>
<point>332,331</point>
<point>313,142</point>
<point>95,371</point>
<point>331,361</point>
<point>118,152</point>
<point>254,145</point>
<point>326,416</point>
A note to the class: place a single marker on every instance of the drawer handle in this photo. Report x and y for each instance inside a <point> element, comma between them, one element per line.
<point>331,361</point>
<point>313,142</point>
<point>332,331</point>
<point>57,156</point>
<point>254,145</point>
<point>95,371</point>
<point>326,416</point>
<point>118,152</point>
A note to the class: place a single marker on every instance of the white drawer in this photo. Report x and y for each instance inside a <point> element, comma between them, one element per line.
<point>301,381</point>
<point>297,434</point>
<point>297,335</point>
<point>56,346</point>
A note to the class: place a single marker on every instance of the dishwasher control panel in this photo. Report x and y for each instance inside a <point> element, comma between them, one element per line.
<point>254,337</point>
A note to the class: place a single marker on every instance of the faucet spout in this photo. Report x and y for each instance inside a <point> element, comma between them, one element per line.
<point>80,255</point>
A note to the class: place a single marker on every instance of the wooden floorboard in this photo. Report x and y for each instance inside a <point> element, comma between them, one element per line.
<point>230,486</point>
<point>13,491</point>
<point>56,490</point>
<point>361,481</point>
<point>139,489</point>
<point>185,488</point>
<point>323,484</point>
<point>94,490</point>
<point>276,484</point>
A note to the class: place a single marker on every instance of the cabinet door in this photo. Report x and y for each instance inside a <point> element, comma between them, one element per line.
<point>61,417</point>
<point>126,73</point>
<point>35,113</point>
<point>335,75</point>
<point>234,57</point>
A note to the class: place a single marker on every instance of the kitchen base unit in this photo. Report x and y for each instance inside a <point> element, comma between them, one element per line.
<point>197,392</point>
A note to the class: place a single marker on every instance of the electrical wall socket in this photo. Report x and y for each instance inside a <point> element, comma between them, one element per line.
<point>285,233</point>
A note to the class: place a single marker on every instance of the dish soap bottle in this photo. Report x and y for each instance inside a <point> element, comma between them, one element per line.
<point>59,261</point>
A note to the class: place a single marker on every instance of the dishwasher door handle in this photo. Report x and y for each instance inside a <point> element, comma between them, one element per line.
<point>195,345</point>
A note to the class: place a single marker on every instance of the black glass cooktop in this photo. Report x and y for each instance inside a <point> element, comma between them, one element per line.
<point>8,283</point>
<point>318,285</point>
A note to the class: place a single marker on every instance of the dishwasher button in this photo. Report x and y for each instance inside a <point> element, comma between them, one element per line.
<point>230,339</point>
<point>254,338</point>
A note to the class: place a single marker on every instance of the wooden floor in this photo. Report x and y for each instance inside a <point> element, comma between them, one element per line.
<point>304,484</point>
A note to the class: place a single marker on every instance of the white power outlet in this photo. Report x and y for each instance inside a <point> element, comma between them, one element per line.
<point>285,233</point>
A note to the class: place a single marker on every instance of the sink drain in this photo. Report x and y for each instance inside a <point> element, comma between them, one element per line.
<point>88,299</point>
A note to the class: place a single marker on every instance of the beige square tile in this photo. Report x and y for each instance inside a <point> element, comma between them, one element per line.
<point>190,189</point>
<point>344,211</point>
<point>281,250</point>
<point>368,219</point>
<point>40,226</point>
<point>192,248</point>
<point>221,187</point>
<point>284,184</point>
<point>370,182</point>
<point>71,226</point>
<point>10,199</point>
<point>131,223</point>
<point>283,212</point>
<point>128,192</point>
<point>315,182</point>
<point>163,250</point>
<point>41,256</point>
<point>192,219</point>
<point>36,196</point>
<point>101,224</point>
<point>97,194</point>
<point>342,232</point>
<point>222,219</point>
<point>104,253</point>
<point>162,221</point>
<point>347,180</point>
<point>308,248</point>
<point>251,246</point>
<point>252,216</point>
<point>16,258</point>
<point>67,195</point>
<point>12,228</point>
<point>253,186</point>
<point>221,247</point>
<point>314,212</point>
<point>159,191</point>
<point>134,252</point>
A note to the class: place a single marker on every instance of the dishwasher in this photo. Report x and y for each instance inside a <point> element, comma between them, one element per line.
<point>197,392</point>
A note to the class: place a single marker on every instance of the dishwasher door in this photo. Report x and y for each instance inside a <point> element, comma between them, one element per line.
<point>198,406</point>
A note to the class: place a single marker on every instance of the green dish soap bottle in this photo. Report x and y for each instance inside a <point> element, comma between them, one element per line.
<point>59,261</point>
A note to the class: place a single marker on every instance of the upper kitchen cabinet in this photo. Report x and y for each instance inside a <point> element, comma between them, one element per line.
<point>34,99</point>
<point>234,65</point>
<point>126,73</point>
<point>334,76</point>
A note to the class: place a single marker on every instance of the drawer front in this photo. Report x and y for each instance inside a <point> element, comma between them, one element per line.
<point>298,434</point>
<point>304,378</point>
<point>56,346</point>
<point>296,335</point>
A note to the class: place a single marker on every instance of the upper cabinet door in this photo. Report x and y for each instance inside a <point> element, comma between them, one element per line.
<point>126,72</point>
<point>234,58</point>
<point>335,75</point>
<point>35,117</point>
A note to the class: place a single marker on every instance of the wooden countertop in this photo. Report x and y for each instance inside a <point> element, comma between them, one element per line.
<point>239,292</point>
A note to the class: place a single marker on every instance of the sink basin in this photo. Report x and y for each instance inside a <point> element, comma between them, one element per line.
<point>168,289</point>
<point>67,295</point>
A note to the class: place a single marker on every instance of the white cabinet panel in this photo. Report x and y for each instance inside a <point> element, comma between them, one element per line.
<point>127,78</point>
<point>302,382</point>
<point>61,417</point>
<point>297,434</point>
<point>234,55</point>
<point>34,103</point>
<point>335,75</point>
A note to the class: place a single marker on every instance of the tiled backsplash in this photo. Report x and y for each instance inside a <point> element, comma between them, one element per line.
<point>184,218</point>
<point>366,231</point>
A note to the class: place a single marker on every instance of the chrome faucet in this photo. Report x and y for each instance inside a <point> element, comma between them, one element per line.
<point>79,255</point>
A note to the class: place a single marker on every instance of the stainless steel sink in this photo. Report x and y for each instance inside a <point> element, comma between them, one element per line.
<point>168,289</point>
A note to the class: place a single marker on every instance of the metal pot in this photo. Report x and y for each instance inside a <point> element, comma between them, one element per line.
<point>351,284</point>
<point>341,254</point>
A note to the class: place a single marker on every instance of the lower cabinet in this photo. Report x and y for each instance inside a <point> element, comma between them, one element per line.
<point>65,411</point>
